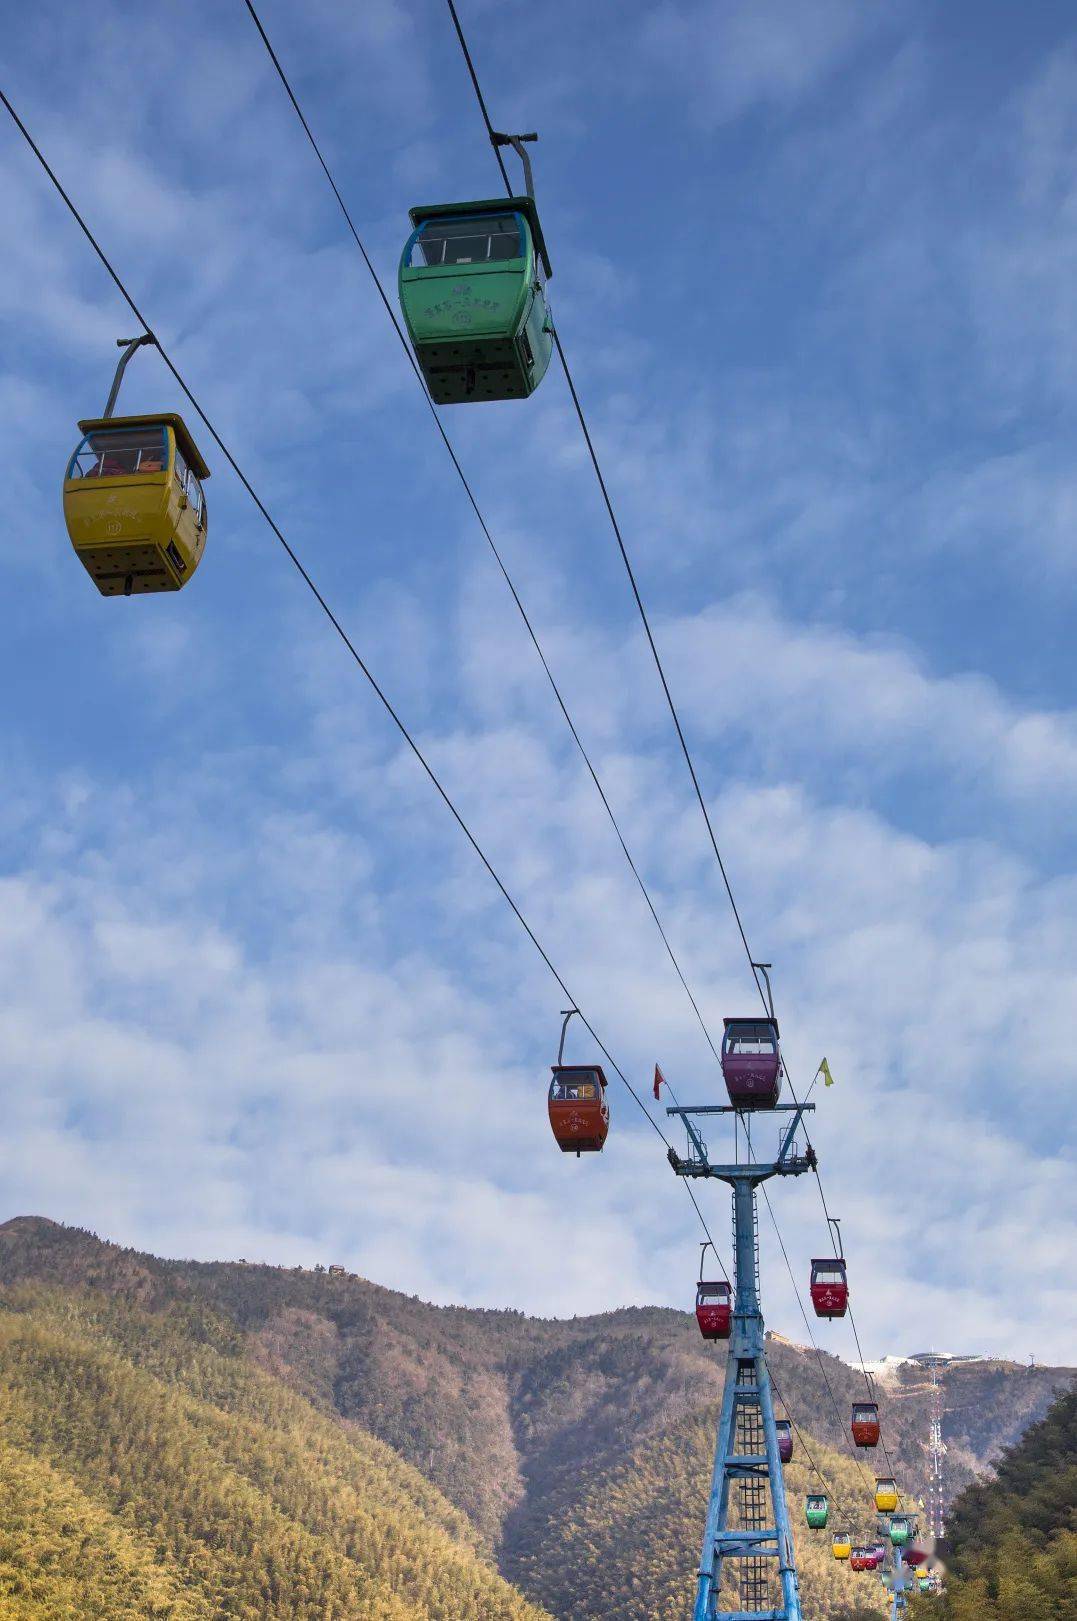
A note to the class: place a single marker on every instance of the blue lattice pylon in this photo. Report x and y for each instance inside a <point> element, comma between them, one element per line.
<point>747,1531</point>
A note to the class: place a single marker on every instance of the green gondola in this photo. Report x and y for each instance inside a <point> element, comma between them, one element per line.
<point>473,293</point>
<point>924,1583</point>
<point>900,1530</point>
<point>817,1511</point>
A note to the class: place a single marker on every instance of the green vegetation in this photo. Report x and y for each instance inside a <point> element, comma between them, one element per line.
<point>198,1486</point>
<point>1012,1541</point>
<point>627,1546</point>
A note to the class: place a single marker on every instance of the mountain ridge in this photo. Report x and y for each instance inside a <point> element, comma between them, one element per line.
<point>527,1424</point>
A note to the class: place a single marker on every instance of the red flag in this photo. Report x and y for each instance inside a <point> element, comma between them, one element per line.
<point>659,1081</point>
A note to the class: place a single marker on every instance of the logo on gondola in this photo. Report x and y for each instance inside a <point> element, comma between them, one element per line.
<point>451,307</point>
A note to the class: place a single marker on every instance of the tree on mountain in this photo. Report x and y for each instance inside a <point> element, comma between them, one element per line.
<point>1012,1541</point>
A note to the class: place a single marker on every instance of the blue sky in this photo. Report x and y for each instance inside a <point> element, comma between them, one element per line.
<point>814,270</point>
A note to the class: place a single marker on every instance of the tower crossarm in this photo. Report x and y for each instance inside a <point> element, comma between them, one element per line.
<point>697,1162</point>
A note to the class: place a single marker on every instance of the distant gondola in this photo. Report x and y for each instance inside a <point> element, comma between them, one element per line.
<point>817,1510</point>
<point>865,1424</point>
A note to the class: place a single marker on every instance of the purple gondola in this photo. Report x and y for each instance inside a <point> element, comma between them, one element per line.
<point>752,1063</point>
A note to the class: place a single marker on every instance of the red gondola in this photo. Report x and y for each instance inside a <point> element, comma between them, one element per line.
<point>829,1287</point>
<point>862,1559</point>
<point>866,1423</point>
<point>579,1113</point>
<point>752,1063</point>
<point>714,1309</point>
<point>784,1428</point>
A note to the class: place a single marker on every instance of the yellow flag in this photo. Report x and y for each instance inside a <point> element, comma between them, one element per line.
<point>824,1071</point>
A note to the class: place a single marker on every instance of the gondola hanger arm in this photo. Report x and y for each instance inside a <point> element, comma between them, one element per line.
<point>517,144</point>
<point>567,1015</point>
<point>128,345</point>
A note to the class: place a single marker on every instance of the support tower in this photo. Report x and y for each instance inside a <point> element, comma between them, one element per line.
<point>936,1453</point>
<point>747,1522</point>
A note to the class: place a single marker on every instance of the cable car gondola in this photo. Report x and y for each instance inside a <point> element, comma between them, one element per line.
<point>133,501</point>
<point>714,1308</point>
<point>900,1530</point>
<point>886,1494</point>
<point>865,1425</point>
<point>842,1545</point>
<point>473,292</point>
<point>829,1287</point>
<point>817,1510</point>
<point>579,1112</point>
<point>784,1429</point>
<point>752,1063</point>
<point>861,1559</point>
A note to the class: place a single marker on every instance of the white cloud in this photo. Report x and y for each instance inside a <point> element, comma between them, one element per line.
<point>257,995</point>
<point>736,55</point>
<point>302,1076</point>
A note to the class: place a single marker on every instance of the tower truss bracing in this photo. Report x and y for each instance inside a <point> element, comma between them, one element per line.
<point>747,1570</point>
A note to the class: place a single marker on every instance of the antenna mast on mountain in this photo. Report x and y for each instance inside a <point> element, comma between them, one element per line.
<point>747,1519</point>
<point>936,1452</point>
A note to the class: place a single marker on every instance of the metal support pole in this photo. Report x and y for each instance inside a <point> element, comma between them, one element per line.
<point>746,1453</point>
<point>897,1587</point>
<point>787,1564</point>
<point>710,1563</point>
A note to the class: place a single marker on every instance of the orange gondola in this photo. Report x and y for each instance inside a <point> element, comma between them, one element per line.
<point>579,1112</point>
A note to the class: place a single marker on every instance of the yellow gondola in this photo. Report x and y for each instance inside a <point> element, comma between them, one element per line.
<point>886,1495</point>
<point>842,1545</point>
<point>133,499</point>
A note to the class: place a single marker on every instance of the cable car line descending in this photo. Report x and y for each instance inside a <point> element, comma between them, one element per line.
<point>334,622</point>
<point>407,348</point>
<point>815,1467</point>
<point>842,1426</point>
<point>496,141</point>
<point>753,1393</point>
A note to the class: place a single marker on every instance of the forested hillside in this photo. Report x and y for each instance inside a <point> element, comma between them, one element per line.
<point>650,1508</point>
<point>576,1453</point>
<point>1011,1544</point>
<point>150,1470</point>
